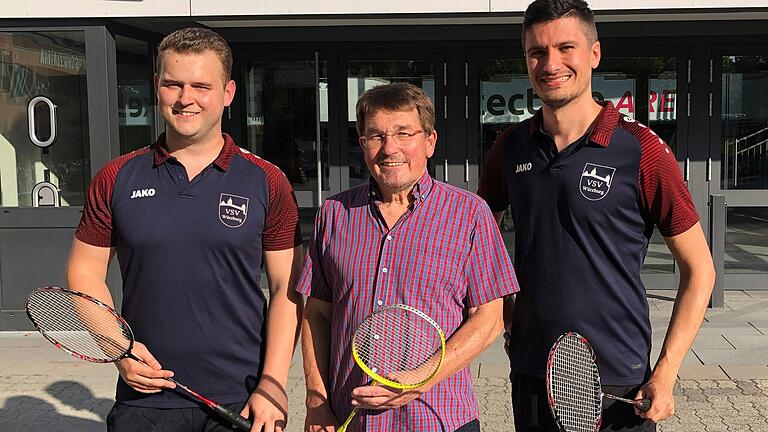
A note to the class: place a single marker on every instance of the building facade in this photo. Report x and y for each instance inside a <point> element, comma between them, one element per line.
<point>76,91</point>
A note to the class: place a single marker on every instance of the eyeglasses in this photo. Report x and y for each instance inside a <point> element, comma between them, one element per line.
<point>402,137</point>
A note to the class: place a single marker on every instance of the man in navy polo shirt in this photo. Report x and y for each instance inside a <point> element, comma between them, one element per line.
<point>586,185</point>
<point>190,219</point>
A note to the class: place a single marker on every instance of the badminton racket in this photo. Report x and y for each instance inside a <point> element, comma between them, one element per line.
<point>573,385</point>
<point>399,347</point>
<point>91,330</point>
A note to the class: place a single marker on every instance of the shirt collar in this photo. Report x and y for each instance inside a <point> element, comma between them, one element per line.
<point>602,129</point>
<point>222,161</point>
<point>419,192</point>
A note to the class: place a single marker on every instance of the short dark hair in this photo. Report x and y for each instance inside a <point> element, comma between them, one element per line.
<point>197,40</point>
<point>399,96</point>
<point>541,11</point>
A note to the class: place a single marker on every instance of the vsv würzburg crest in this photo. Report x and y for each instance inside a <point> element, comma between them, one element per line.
<point>233,210</point>
<point>596,181</point>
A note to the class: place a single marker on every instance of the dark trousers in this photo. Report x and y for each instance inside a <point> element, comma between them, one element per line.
<point>127,418</point>
<point>473,426</point>
<point>532,413</point>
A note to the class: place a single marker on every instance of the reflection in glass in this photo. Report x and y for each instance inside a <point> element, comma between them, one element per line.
<point>135,94</point>
<point>281,118</point>
<point>363,75</point>
<point>744,120</point>
<point>506,98</point>
<point>746,240</point>
<point>50,64</point>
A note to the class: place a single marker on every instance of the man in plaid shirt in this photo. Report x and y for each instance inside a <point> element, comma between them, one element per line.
<point>401,238</point>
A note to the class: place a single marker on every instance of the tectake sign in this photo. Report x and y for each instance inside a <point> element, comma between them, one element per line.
<point>514,100</point>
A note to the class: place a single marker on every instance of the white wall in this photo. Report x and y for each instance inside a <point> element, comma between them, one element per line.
<point>135,8</point>
<point>92,8</point>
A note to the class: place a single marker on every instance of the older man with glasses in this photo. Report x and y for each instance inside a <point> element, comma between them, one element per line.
<point>401,238</point>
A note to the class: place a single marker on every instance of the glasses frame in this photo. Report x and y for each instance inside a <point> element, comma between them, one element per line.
<point>400,137</point>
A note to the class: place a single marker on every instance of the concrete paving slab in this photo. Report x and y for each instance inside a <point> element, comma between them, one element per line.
<point>738,328</point>
<point>740,341</point>
<point>746,372</point>
<point>494,354</point>
<point>760,295</point>
<point>701,372</point>
<point>732,296</point>
<point>80,368</point>
<point>21,339</point>
<point>689,359</point>
<point>733,357</point>
<point>760,324</point>
<point>711,341</point>
<point>493,370</point>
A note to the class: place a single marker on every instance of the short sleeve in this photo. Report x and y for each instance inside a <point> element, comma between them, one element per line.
<point>312,281</point>
<point>490,274</point>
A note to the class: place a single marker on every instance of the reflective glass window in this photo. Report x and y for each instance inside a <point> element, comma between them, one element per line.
<point>744,120</point>
<point>43,119</point>
<point>135,94</point>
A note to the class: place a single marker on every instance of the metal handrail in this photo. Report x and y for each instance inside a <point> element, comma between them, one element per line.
<point>737,152</point>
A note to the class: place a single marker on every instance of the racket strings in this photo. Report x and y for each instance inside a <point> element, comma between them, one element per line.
<point>575,385</point>
<point>399,345</point>
<point>79,325</point>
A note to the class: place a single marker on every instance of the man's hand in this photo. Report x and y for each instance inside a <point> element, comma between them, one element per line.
<point>147,377</point>
<point>320,418</point>
<point>660,392</point>
<point>380,397</point>
<point>267,407</point>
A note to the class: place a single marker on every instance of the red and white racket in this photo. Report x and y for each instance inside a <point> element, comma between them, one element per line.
<point>91,330</point>
<point>573,386</point>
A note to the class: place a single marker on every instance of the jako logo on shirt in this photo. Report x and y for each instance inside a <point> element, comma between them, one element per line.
<point>141,193</point>
<point>596,181</point>
<point>233,210</point>
<point>523,167</point>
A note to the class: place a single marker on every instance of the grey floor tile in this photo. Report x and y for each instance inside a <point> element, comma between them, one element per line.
<point>735,357</point>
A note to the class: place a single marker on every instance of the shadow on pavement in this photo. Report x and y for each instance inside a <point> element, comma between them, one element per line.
<point>74,395</point>
<point>28,414</point>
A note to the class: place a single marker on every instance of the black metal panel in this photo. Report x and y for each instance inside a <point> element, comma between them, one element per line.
<point>30,258</point>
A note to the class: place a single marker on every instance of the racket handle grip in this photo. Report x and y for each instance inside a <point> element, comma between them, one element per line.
<point>643,404</point>
<point>238,421</point>
<point>343,428</point>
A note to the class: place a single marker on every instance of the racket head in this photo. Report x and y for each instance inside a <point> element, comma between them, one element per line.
<point>79,324</point>
<point>573,384</point>
<point>399,346</point>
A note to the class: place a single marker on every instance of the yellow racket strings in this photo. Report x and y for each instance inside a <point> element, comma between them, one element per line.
<point>399,347</point>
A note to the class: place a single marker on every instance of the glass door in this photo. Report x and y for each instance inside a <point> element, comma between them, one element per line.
<point>285,120</point>
<point>739,152</point>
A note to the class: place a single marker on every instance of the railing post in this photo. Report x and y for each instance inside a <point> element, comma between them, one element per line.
<point>717,227</point>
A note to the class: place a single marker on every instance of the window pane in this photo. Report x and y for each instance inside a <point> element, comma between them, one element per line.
<point>51,65</point>
<point>746,240</point>
<point>135,94</point>
<point>744,135</point>
<point>281,118</point>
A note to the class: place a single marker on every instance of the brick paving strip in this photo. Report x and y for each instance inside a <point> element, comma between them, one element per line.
<point>79,403</point>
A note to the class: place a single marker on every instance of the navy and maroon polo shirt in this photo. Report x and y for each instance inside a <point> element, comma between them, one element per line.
<point>190,254</point>
<point>583,219</point>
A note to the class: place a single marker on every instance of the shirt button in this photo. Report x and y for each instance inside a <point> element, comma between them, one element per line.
<point>389,237</point>
<point>379,302</point>
<point>384,270</point>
